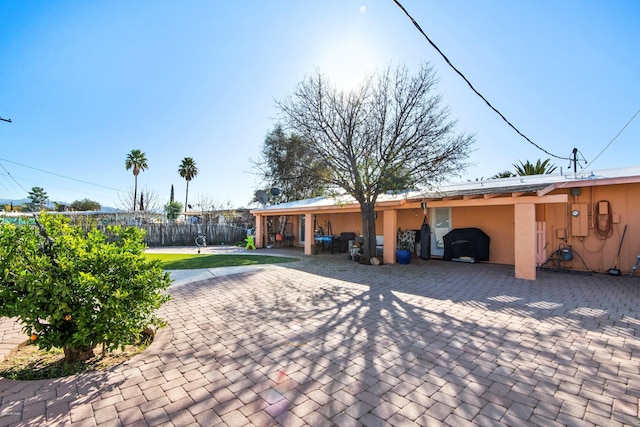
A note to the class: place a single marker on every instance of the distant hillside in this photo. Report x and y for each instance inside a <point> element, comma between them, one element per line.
<point>51,206</point>
<point>15,202</point>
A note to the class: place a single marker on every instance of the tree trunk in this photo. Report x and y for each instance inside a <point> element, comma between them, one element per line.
<point>77,354</point>
<point>367,211</point>
<point>186,197</point>
<point>135,192</point>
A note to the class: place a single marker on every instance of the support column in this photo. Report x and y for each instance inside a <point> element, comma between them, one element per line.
<point>308,233</point>
<point>525,241</point>
<point>259,228</point>
<point>389,231</point>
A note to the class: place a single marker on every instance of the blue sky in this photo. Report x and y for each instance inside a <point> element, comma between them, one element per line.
<point>84,83</point>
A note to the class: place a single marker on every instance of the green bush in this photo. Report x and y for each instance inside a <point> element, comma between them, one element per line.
<point>76,290</point>
<point>173,210</point>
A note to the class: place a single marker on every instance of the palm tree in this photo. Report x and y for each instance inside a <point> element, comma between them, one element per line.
<point>188,171</point>
<point>503,174</point>
<point>137,160</point>
<point>539,168</point>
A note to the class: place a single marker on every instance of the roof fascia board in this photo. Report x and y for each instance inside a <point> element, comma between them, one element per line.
<point>444,203</point>
<point>499,201</point>
<point>600,182</point>
<point>307,209</point>
<point>590,183</point>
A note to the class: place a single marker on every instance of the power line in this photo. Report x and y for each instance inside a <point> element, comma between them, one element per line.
<point>57,174</point>
<point>471,86</point>
<point>14,180</point>
<point>9,186</point>
<point>614,138</point>
<point>29,182</point>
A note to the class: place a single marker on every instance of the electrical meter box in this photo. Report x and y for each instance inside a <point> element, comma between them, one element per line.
<point>579,222</point>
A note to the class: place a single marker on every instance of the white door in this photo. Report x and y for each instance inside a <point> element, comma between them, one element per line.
<point>440,223</point>
<point>301,229</point>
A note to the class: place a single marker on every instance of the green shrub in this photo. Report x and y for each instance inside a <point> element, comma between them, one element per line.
<point>173,210</point>
<point>76,290</point>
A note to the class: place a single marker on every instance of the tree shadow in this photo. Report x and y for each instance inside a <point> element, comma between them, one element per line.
<point>333,343</point>
<point>54,401</point>
<point>50,402</point>
<point>326,341</point>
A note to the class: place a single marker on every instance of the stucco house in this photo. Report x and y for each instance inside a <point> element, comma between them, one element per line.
<point>566,221</point>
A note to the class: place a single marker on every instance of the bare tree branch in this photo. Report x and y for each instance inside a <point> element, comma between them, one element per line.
<point>389,134</point>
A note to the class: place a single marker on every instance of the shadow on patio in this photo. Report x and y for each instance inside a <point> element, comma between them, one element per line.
<point>327,340</point>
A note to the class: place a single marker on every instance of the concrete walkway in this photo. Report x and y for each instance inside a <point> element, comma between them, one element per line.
<point>325,341</point>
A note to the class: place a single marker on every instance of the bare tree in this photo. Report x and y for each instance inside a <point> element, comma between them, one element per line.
<point>205,203</point>
<point>389,133</point>
<point>152,204</point>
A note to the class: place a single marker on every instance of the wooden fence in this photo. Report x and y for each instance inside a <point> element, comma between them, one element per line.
<point>185,234</point>
<point>157,234</point>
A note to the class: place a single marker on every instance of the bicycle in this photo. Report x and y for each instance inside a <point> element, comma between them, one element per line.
<point>201,240</point>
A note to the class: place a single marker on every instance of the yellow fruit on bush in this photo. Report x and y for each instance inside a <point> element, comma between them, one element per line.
<point>34,337</point>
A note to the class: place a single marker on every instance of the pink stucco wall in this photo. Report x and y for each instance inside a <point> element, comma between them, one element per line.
<point>499,222</point>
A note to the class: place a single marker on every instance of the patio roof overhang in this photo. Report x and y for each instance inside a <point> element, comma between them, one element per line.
<point>534,194</point>
<point>535,189</point>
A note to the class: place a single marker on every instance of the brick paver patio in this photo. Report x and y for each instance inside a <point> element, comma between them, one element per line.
<point>325,341</point>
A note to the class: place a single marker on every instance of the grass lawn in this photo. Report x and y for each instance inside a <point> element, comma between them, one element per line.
<point>191,261</point>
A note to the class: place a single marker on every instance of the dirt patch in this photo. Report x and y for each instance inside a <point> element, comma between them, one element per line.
<point>28,362</point>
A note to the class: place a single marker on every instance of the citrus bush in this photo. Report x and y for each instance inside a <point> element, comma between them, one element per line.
<point>75,290</point>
